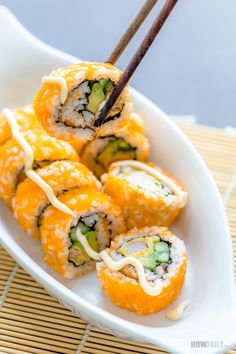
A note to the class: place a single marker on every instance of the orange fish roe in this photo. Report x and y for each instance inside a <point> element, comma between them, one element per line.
<point>126,292</point>
<point>30,200</point>
<point>140,207</point>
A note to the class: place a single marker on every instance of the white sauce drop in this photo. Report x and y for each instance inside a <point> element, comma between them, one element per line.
<point>29,159</point>
<point>58,80</point>
<point>177,313</point>
<point>155,173</point>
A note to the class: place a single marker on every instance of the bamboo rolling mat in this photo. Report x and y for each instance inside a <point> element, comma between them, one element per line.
<point>31,321</point>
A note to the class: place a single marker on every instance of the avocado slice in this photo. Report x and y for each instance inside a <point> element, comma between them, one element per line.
<point>116,150</point>
<point>162,252</point>
<point>92,240</point>
<point>103,83</point>
<point>95,98</point>
<point>109,87</point>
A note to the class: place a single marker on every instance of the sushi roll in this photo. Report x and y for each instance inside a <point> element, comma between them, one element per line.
<point>30,200</point>
<point>46,150</point>
<point>96,218</point>
<point>143,270</point>
<point>126,142</point>
<point>70,99</point>
<point>148,195</point>
<point>26,120</point>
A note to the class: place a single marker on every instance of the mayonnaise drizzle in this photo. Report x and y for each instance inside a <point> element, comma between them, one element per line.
<point>29,159</point>
<point>83,240</point>
<point>58,80</point>
<point>155,173</point>
<point>177,313</point>
<point>117,265</point>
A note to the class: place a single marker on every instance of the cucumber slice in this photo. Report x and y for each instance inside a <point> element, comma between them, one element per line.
<point>149,261</point>
<point>162,251</point>
<point>163,257</point>
<point>161,247</point>
<point>72,234</point>
<point>83,228</point>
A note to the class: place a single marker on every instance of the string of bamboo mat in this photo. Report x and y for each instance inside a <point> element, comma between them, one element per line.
<point>31,321</point>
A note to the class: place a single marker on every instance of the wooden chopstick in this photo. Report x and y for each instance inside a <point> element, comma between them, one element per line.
<point>131,30</point>
<point>136,59</point>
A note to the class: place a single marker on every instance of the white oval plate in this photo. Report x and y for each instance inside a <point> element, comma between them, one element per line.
<point>211,315</point>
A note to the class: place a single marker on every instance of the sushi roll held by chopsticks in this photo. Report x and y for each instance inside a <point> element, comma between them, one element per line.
<point>147,194</point>
<point>71,98</point>
<point>96,219</point>
<point>143,270</point>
